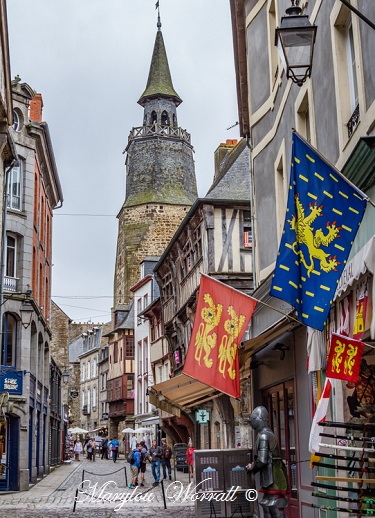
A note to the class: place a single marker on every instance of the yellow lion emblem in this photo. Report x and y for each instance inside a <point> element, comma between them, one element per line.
<point>205,339</point>
<point>302,225</point>
<point>228,348</point>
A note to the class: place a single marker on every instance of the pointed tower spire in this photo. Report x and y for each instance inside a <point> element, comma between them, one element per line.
<point>159,83</point>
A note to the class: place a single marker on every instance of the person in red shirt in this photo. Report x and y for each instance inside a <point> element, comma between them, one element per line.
<point>190,457</point>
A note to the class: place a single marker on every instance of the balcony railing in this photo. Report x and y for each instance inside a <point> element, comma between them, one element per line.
<point>156,130</point>
<point>10,284</point>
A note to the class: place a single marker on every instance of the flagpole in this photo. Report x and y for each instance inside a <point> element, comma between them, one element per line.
<point>334,167</point>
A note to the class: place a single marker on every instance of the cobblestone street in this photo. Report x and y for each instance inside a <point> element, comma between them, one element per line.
<point>54,495</point>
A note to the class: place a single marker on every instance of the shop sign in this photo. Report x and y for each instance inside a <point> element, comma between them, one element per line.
<point>202,416</point>
<point>11,381</point>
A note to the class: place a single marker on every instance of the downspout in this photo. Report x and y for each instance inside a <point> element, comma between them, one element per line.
<point>3,242</point>
<point>251,212</point>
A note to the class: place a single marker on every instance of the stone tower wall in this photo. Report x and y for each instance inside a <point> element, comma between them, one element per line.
<point>143,230</point>
<point>160,170</point>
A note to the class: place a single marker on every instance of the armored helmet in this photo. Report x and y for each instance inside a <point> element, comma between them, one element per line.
<point>259,418</point>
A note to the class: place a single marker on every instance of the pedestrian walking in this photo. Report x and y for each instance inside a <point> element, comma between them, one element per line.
<point>87,438</point>
<point>134,467</point>
<point>190,457</point>
<point>115,447</point>
<point>155,458</point>
<point>142,469</point>
<point>104,448</point>
<point>93,445</point>
<point>166,455</point>
<point>78,448</point>
<point>89,450</point>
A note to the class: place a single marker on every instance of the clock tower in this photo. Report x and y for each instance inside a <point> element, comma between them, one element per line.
<point>160,177</point>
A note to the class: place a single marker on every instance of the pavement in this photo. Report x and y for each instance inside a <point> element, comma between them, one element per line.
<point>54,496</point>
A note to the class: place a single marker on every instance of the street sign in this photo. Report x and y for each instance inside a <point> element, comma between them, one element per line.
<point>202,416</point>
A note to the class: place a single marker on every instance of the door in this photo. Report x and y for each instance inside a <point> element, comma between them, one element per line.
<point>280,402</point>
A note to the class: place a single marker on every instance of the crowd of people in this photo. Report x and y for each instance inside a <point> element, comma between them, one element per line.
<point>158,455</point>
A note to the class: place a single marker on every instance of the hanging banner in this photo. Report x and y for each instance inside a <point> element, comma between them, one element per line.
<point>344,359</point>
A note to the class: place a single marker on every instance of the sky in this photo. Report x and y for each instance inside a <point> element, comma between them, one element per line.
<point>90,61</point>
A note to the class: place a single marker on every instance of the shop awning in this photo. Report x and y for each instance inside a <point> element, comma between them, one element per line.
<point>256,344</point>
<point>181,392</point>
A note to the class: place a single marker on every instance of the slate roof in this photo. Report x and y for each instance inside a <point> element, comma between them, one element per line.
<point>233,181</point>
<point>159,83</point>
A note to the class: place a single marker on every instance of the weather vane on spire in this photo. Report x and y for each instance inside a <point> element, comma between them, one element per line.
<point>159,22</point>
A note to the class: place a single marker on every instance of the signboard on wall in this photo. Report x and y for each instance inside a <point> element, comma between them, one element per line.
<point>11,382</point>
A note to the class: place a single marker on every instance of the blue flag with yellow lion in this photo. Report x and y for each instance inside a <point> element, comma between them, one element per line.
<point>323,214</point>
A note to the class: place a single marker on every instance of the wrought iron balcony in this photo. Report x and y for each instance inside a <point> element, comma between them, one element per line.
<point>156,130</point>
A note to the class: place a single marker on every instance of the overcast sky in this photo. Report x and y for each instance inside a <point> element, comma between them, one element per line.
<point>90,60</point>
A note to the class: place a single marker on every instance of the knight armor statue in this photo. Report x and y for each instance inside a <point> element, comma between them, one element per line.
<point>267,461</point>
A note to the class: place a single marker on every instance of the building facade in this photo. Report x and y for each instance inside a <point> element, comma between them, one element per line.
<point>33,191</point>
<point>215,238</point>
<point>334,110</point>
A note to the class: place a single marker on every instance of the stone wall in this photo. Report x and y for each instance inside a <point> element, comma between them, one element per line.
<point>143,230</point>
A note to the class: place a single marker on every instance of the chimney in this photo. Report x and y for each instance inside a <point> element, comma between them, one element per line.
<point>36,108</point>
<point>221,152</point>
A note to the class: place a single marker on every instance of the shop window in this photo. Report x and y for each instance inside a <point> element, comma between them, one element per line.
<point>9,341</point>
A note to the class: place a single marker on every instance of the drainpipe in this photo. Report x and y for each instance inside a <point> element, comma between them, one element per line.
<point>251,211</point>
<point>3,242</point>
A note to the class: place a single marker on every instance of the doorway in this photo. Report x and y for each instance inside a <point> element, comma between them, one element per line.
<point>280,403</point>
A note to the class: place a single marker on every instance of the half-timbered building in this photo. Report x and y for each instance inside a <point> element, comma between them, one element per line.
<point>215,238</point>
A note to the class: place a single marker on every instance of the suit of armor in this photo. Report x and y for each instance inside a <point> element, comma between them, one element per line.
<point>267,462</point>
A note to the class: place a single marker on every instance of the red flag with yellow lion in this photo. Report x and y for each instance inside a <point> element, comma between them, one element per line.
<point>221,319</point>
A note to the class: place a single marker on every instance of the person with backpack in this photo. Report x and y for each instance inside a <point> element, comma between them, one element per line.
<point>115,447</point>
<point>166,459</point>
<point>155,458</point>
<point>142,469</point>
<point>134,459</point>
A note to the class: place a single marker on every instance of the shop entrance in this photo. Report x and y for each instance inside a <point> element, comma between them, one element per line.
<point>280,403</point>
<point>9,445</point>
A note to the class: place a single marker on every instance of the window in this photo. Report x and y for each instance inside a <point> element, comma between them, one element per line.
<point>14,188</point>
<point>139,309</point>
<point>154,117</point>
<point>94,368</point>
<point>9,341</point>
<point>247,229</point>
<point>164,119</point>
<point>83,370</point>
<point>346,49</point>
<point>272,49</point>
<point>303,118</point>
<point>281,189</point>
<point>94,398</point>
<point>88,400</point>
<point>145,301</point>
<point>130,386</point>
<point>103,382</point>
<point>115,352</point>
<point>160,374</point>
<point>88,370</point>
<point>167,287</point>
<point>352,75</point>
<point>10,267</point>
<point>129,347</point>
<point>83,398</point>
<point>166,367</point>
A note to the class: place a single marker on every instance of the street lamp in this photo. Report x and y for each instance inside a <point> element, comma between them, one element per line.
<point>65,377</point>
<point>295,39</point>
<point>26,311</point>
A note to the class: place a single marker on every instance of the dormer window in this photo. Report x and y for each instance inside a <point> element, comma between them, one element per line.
<point>164,119</point>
